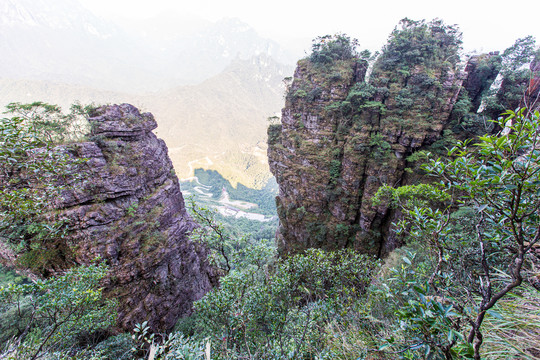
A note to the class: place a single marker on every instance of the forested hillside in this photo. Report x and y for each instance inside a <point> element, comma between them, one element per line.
<point>408,206</point>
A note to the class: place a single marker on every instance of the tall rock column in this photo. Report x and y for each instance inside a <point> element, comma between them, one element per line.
<point>129,211</point>
<point>342,137</point>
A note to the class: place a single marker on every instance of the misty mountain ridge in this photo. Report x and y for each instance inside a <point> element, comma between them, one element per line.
<point>212,49</point>
<point>61,41</point>
<point>219,124</point>
<point>65,42</point>
<point>211,85</point>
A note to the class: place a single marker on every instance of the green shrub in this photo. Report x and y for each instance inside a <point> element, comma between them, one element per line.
<point>115,347</point>
<point>34,172</point>
<point>416,42</point>
<point>327,49</point>
<point>476,244</point>
<point>49,314</point>
<point>285,311</point>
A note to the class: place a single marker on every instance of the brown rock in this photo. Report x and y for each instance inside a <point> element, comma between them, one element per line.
<point>330,156</point>
<point>128,210</point>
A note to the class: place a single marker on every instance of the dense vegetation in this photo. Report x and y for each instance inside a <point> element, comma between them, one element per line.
<point>471,237</point>
<point>465,286</point>
<point>343,304</point>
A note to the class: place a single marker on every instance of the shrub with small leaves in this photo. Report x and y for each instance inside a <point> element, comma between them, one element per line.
<point>56,310</point>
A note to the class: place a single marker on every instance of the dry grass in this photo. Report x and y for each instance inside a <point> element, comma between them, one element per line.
<point>513,330</point>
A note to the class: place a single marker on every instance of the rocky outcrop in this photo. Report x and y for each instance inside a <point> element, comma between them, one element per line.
<point>481,71</point>
<point>342,137</point>
<point>533,88</point>
<point>518,83</point>
<point>127,209</point>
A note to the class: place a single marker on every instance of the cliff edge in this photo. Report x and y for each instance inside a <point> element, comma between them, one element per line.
<point>127,209</point>
<point>345,131</point>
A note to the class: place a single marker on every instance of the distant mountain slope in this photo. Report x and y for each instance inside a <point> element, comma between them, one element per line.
<point>27,91</point>
<point>59,52</point>
<point>222,121</point>
<point>61,41</point>
<point>211,50</point>
<point>219,124</point>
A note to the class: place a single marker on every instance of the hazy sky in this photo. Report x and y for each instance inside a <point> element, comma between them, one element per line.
<point>486,25</point>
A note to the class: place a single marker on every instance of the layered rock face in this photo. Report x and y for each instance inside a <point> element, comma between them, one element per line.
<point>342,137</point>
<point>128,210</point>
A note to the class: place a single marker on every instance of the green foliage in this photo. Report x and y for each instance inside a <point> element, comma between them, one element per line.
<point>404,99</point>
<point>479,242</point>
<point>300,93</point>
<point>51,313</point>
<point>32,173</point>
<point>40,261</point>
<point>334,167</point>
<point>516,78</point>
<point>327,49</point>
<point>335,170</point>
<point>253,229</point>
<point>45,316</point>
<point>361,95</point>
<point>7,276</point>
<point>284,311</point>
<point>381,148</point>
<point>445,143</point>
<point>264,309</point>
<point>359,98</point>
<point>166,346</point>
<point>49,124</point>
<point>117,347</point>
<point>429,325</point>
<point>227,251</point>
<point>212,234</point>
<point>318,230</point>
<point>314,94</point>
<point>519,54</point>
<point>406,81</point>
<point>470,125</point>
<point>417,42</point>
<point>274,133</point>
<point>416,160</point>
<point>411,196</point>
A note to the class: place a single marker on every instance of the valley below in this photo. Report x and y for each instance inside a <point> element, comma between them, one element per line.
<point>223,205</point>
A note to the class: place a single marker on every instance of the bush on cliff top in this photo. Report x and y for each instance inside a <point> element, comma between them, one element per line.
<point>417,42</point>
<point>329,48</point>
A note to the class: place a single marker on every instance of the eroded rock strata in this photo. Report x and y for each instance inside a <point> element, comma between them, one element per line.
<point>342,136</point>
<point>128,210</point>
